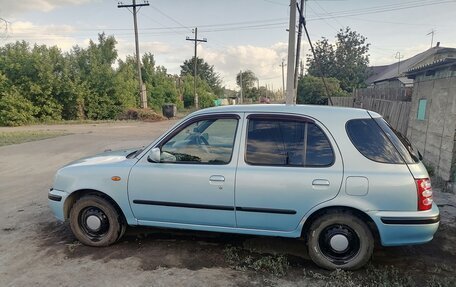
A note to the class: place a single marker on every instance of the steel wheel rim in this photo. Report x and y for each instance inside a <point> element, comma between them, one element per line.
<point>331,243</point>
<point>88,219</point>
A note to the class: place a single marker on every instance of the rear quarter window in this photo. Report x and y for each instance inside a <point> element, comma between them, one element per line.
<point>372,142</point>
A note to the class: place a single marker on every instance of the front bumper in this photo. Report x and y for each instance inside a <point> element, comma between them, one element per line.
<point>405,228</point>
<point>56,201</point>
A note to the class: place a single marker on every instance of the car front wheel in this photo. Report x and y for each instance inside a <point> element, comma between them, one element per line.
<point>95,222</point>
<point>340,241</point>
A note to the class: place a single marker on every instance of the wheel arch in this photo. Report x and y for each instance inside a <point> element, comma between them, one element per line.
<point>341,209</point>
<point>74,196</point>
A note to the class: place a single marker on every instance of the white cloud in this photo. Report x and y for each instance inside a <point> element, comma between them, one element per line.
<point>14,7</point>
<point>126,47</point>
<point>42,34</point>
<point>263,61</point>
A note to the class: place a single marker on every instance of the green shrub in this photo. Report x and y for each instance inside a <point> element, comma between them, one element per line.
<point>15,110</point>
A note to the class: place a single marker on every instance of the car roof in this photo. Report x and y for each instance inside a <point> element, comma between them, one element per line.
<point>309,110</point>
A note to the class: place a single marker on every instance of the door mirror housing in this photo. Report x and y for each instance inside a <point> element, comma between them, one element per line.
<point>154,155</point>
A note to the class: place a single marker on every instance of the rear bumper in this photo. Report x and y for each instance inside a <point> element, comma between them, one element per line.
<point>56,201</point>
<point>405,228</point>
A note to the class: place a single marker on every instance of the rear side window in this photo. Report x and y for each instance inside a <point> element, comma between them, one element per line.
<point>371,141</point>
<point>282,142</point>
<point>402,144</point>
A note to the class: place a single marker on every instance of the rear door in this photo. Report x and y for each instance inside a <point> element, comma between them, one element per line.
<point>287,165</point>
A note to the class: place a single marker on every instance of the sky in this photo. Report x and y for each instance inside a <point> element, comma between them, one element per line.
<point>241,34</point>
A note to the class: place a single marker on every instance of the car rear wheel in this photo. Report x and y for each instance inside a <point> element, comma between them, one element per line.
<point>340,241</point>
<point>95,222</point>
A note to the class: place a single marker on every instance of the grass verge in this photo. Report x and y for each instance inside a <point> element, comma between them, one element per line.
<point>17,137</point>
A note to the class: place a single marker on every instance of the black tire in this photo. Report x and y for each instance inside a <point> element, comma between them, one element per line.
<point>340,240</point>
<point>95,222</point>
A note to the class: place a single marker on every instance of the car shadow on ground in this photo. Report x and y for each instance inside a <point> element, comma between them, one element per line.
<point>166,248</point>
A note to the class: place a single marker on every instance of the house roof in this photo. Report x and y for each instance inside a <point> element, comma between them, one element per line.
<point>438,63</point>
<point>397,71</point>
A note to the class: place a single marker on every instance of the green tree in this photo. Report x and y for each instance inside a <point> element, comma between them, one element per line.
<point>205,72</point>
<point>249,83</point>
<point>93,66</point>
<point>126,83</point>
<point>163,89</point>
<point>311,90</point>
<point>205,96</point>
<point>35,73</point>
<point>346,60</point>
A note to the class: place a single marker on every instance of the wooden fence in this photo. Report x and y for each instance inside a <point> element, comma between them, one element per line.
<point>396,112</point>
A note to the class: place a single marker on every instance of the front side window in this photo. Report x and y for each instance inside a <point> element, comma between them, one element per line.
<point>208,141</point>
<point>283,142</point>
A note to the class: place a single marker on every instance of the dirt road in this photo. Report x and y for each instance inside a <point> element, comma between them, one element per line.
<point>36,250</point>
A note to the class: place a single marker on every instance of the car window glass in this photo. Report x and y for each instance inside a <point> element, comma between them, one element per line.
<point>402,144</point>
<point>371,141</point>
<point>319,151</point>
<point>287,143</point>
<point>207,142</point>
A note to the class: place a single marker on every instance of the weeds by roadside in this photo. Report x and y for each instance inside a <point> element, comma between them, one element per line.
<point>243,260</point>
<point>372,276</point>
<point>72,246</point>
<point>387,276</point>
<point>16,137</point>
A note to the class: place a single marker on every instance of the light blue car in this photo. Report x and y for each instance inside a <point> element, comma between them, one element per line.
<point>339,178</point>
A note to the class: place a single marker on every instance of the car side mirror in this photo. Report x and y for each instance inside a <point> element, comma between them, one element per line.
<point>154,155</point>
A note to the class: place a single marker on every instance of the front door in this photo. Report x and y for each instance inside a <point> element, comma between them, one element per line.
<point>194,181</point>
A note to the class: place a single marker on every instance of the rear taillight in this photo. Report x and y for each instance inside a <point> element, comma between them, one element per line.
<point>424,189</point>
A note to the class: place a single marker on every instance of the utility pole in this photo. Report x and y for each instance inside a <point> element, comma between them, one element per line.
<point>432,36</point>
<point>298,47</point>
<point>240,81</point>
<point>291,54</point>
<point>283,79</point>
<point>195,62</point>
<point>142,91</point>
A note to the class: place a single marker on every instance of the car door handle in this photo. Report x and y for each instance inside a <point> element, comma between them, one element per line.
<point>320,182</point>
<point>217,179</point>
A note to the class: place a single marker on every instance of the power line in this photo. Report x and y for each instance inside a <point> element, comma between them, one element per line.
<point>317,60</point>
<point>324,10</point>
<point>380,9</point>
<point>171,18</point>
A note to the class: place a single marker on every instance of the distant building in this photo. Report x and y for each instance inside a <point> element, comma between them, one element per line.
<point>394,75</point>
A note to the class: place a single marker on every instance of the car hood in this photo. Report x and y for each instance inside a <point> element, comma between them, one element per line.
<point>107,157</point>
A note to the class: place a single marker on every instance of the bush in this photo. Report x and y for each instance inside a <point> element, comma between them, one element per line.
<point>140,115</point>
<point>311,90</point>
<point>15,110</point>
